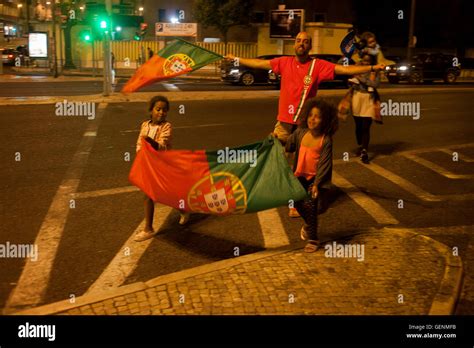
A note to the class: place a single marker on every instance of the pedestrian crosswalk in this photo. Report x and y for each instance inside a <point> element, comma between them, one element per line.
<point>30,290</point>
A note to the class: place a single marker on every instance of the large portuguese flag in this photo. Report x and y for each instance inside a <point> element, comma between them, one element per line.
<point>178,58</point>
<point>239,180</point>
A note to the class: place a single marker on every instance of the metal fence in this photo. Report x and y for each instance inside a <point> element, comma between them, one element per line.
<point>131,54</point>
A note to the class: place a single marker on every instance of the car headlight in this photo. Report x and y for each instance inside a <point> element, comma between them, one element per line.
<point>388,68</point>
<point>234,71</point>
<point>403,68</point>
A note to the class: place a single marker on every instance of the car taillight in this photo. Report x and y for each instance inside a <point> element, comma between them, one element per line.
<point>10,56</point>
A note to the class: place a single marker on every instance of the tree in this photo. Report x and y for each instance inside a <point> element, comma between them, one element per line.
<point>223,14</point>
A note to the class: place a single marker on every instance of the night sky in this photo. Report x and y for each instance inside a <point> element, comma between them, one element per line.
<point>438,23</point>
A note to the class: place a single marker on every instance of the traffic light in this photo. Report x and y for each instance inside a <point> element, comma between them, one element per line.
<point>143,29</point>
<point>137,36</point>
<point>86,36</point>
<point>104,23</point>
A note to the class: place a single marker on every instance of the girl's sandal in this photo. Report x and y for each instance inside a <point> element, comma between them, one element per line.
<point>312,246</point>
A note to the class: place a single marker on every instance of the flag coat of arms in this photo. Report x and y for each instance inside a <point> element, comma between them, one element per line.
<point>202,182</point>
<point>178,58</point>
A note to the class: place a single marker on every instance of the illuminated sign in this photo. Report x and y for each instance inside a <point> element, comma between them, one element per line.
<point>38,45</point>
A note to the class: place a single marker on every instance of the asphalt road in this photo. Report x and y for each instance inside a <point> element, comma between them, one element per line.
<point>96,229</point>
<point>69,88</point>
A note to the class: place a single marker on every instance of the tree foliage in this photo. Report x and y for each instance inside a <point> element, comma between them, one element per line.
<point>223,14</point>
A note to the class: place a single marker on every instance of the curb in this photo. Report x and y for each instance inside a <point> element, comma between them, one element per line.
<point>444,302</point>
<point>65,305</point>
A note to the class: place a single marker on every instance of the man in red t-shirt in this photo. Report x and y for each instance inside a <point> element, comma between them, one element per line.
<point>300,77</point>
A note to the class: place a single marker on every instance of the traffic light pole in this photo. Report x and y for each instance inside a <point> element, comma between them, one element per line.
<point>107,54</point>
<point>107,66</point>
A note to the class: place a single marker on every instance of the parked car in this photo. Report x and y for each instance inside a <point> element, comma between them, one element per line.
<point>425,67</point>
<point>339,80</point>
<point>9,55</point>
<point>244,75</point>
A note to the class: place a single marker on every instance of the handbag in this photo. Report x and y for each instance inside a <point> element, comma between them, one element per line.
<point>344,109</point>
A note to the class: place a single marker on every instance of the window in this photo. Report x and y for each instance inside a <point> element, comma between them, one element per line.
<point>162,15</point>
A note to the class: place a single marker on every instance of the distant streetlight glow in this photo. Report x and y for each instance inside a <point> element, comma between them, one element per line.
<point>20,5</point>
<point>140,9</point>
<point>118,29</point>
<point>174,20</point>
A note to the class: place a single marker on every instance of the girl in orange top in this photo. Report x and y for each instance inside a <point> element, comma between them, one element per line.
<point>312,144</point>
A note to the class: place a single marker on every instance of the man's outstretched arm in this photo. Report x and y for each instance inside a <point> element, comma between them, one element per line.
<point>357,69</point>
<point>251,63</point>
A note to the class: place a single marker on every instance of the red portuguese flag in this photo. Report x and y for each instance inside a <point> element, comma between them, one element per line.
<point>178,58</point>
<point>239,180</point>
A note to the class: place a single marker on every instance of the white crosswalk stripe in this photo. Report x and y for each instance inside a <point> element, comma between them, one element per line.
<point>128,256</point>
<point>35,276</point>
<point>365,202</point>
<point>436,168</point>
<point>273,232</point>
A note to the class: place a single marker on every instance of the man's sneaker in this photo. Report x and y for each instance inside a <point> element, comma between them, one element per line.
<point>184,218</point>
<point>364,157</point>
<point>293,213</point>
<point>144,235</point>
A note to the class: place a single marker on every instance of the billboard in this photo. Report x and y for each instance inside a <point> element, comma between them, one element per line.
<point>286,24</point>
<point>176,29</point>
<point>38,45</point>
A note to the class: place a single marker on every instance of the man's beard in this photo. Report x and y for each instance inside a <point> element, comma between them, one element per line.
<point>304,53</point>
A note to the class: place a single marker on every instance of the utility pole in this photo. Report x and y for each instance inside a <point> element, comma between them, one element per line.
<point>55,45</point>
<point>411,42</point>
<point>107,55</point>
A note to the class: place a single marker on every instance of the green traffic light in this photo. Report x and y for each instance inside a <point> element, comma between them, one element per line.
<point>87,37</point>
<point>103,24</point>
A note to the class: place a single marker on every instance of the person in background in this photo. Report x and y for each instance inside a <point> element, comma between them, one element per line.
<point>363,107</point>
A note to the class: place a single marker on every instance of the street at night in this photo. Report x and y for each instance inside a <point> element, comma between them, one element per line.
<point>90,218</point>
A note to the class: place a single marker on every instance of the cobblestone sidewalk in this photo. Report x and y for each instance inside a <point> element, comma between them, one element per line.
<point>399,272</point>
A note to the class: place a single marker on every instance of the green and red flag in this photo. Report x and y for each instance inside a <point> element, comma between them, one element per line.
<point>178,58</point>
<point>238,180</point>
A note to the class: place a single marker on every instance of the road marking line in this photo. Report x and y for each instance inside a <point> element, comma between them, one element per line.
<point>90,134</point>
<point>415,190</point>
<point>171,87</point>
<point>403,183</point>
<point>123,265</point>
<point>364,201</point>
<point>273,232</point>
<point>462,157</point>
<point>106,192</point>
<point>436,168</point>
<point>434,149</point>
<point>35,277</point>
